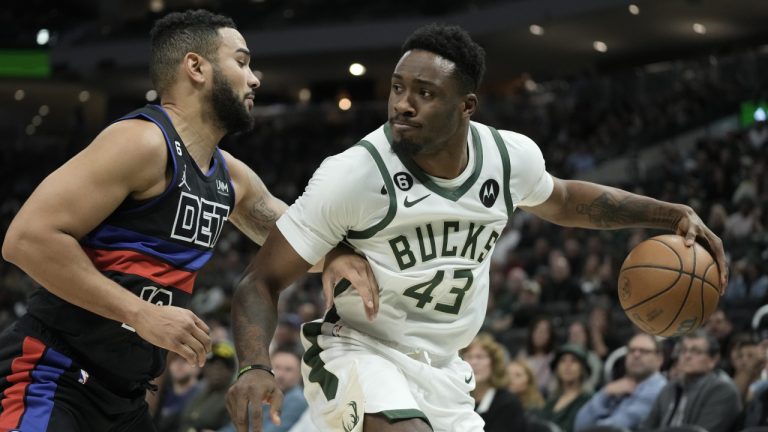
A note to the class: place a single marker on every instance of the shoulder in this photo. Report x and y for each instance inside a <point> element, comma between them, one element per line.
<point>520,145</point>
<point>134,148</point>
<point>345,169</point>
<point>144,137</point>
<point>235,167</point>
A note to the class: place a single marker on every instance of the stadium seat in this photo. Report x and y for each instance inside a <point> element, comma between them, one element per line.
<point>610,362</point>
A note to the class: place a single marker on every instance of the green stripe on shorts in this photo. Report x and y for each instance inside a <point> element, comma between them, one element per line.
<point>394,416</point>
<point>318,374</point>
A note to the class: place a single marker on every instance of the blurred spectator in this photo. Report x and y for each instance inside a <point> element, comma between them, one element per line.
<point>721,328</point>
<point>287,336</point>
<point>758,135</point>
<point>747,361</point>
<point>500,409</point>
<point>528,303</point>
<point>748,281</point>
<point>559,283</point>
<point>539,352</point>
<point>577,335</point>
<point>287,367</point>
<point>207,409</point>
<point>702,397</point>
<point>602,333</point>
<point>182,385</point>
<point>523,384</point>
<point>627,401</point>
<point>308,311</point>
<point>571,370</point>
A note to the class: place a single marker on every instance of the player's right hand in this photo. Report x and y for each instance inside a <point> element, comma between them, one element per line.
<point>175,329</point>
<point>343,263</point>
<point>253,389</point>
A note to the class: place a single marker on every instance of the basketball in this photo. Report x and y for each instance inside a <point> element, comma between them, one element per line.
<point>666,288</point>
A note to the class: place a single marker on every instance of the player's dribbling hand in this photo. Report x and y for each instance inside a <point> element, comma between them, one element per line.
<point>343,263</point>
<point>175,329</point>
<point>253,389</point>
<point>691,226</point>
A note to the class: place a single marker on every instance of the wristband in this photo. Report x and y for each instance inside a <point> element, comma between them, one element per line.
<point>252,367</point>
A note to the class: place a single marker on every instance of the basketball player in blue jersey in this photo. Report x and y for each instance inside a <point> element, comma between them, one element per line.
<point>423,198</point>
<point>116,236</point>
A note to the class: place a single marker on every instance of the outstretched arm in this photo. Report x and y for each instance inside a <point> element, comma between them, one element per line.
<point>254,319</point>
<point>589,205</point>
<point>256,209</point>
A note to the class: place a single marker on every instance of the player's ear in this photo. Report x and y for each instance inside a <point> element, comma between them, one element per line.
<point>469,104</point>
<point>193,66</point>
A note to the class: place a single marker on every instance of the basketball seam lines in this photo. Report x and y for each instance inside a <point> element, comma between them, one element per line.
<point>687,293</point>
<point>708,282</point>
<point>679,275</point>
<point>693,275</point>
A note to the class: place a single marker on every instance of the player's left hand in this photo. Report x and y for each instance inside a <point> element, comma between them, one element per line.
<point>343,263</point>
<point>691,227</point>
<point>251,391</point>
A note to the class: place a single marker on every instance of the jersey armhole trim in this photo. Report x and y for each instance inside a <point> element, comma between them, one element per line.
<point>171,185</point>
<point>389,185</point>
<point>220,155</point>
<point>506,168</point>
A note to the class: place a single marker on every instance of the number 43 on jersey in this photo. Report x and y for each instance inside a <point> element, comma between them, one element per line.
<point>422,292</point>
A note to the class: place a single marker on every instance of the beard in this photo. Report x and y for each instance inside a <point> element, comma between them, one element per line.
<point>406,147</point>
<point>228,107</point>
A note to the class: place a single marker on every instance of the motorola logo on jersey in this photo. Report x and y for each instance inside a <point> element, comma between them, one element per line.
<point>403,180</point>
<point>489,192</point>
<point>198,220</point>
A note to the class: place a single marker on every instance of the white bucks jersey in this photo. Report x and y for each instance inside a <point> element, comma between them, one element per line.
<point>429,247</point>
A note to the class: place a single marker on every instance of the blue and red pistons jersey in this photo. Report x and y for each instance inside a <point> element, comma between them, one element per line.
<point>154,248</point>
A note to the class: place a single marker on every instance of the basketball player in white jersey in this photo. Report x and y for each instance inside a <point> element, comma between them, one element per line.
<point>423,198</point>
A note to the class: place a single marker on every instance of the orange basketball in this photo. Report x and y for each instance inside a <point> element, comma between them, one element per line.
<point>668,289</point>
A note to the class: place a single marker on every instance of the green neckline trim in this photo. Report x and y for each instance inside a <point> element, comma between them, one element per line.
<point>417,172</point>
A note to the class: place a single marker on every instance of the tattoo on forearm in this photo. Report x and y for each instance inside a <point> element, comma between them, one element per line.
<point>260,218</point>
<point>608,212</point>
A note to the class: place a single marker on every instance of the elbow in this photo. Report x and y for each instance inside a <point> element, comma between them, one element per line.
<point>12,246</point>
<point>256,281</point>
<point>22,243</point>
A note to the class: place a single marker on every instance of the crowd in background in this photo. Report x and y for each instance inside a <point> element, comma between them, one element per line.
<point>552,322</point>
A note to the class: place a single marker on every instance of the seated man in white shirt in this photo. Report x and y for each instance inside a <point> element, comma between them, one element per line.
<point>627,401</point>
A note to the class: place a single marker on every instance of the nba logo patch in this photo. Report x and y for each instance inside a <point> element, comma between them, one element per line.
<point>336,330</point>
<point>83,377</point>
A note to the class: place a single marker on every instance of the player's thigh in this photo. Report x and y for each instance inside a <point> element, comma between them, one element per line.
<point>136,421</point>
<point>379,423</point>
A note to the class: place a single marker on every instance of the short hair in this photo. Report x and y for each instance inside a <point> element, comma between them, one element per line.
<point>452,43</point>
<point>179,33</point>
<point>713,346</point>
<point>656,342</point>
